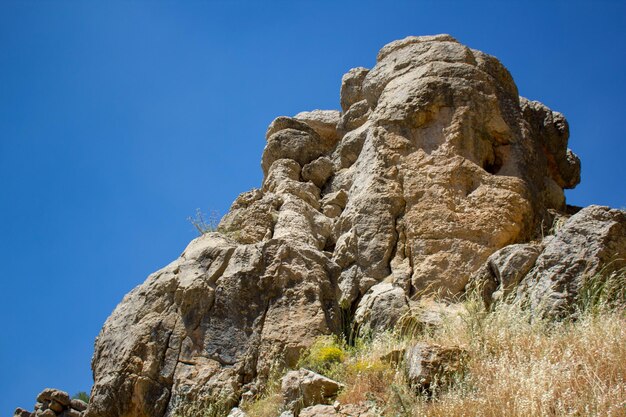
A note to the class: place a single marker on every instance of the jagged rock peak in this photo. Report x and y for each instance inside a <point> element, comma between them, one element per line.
<point>433,164</point>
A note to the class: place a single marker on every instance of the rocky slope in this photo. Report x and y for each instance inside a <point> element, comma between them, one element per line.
<point>434,172</point>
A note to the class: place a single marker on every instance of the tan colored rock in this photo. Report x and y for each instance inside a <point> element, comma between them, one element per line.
<point>355,117</point>
<point>293,139</point>
<point>351,87</point>
<point>503,270</point>
<point>55,406</point>
<point>61,397</point>
<point>213,320</point>
<point>590,245</point>
<point>428,364</point>
<point>435,164</point>
<point>381,308</point>
<point>78,405</point>
<point>318,171</point>
<point>304,388</point>
<point>319,411</point>
<point>324,122</point>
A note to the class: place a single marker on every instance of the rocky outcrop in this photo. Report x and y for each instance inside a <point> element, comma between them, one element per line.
<point>54,403</point>
<point>590,245</point>
<point>433,164</point>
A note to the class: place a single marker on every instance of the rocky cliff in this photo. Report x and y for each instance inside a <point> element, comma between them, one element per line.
<point>435,173</point>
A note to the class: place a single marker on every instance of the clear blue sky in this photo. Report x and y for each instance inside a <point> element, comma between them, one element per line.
<point>118,119</point>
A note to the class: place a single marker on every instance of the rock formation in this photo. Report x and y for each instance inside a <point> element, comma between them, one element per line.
<point>54,403</point>
<point>434,164</point>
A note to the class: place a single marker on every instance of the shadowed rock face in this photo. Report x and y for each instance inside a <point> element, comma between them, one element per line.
<point>434,163</point>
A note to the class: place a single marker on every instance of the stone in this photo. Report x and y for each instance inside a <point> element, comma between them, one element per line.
<point>226,312</point>
<point>319,411</point>
<point>61,397</point>
<point>303,388</point>
<point>355,117</point>
<point>45,395</point>
<point>339,410</point>
<point>591,243</point>
<point>351,87</point>
<point>318,171</point>
<point>504,269</point>
<point>70,412</point>
<point>45,413</point>
<point>428,364</point>
<point>293,139</point>
<point>78,405</point>
<point>20,412</point>
<point>381,308</point>
<point>284,122</point>
<point>56,406</point>
<point>237,412</point>
<point>357,410</point>
<point>324,122</point>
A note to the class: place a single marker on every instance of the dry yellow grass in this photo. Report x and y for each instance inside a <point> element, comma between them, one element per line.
<point>520,367</point>
<point>516,367</point>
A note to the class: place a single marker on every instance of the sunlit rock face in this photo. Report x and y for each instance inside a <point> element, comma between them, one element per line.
<point>432,165</point>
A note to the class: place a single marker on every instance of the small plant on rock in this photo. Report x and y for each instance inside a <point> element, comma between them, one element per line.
<point>205,223</point>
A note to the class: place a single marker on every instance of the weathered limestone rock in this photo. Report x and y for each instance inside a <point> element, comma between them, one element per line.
<point>303,388</point>
<point>426,314</point>
<point>324,122</point>
<point>318,171</point>
<point>591,243</point>
<point>428,364</point>
<point>210,322</point>
<point>351,87</point>
<point>381,308</point>
<point>504,270</point>
<point>434,164</point>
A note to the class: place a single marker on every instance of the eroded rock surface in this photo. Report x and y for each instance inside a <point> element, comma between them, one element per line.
<point>589,246</point>
<point>433,164</point>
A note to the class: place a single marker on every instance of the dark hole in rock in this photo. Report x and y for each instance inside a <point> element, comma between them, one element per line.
<point>493,166</point>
